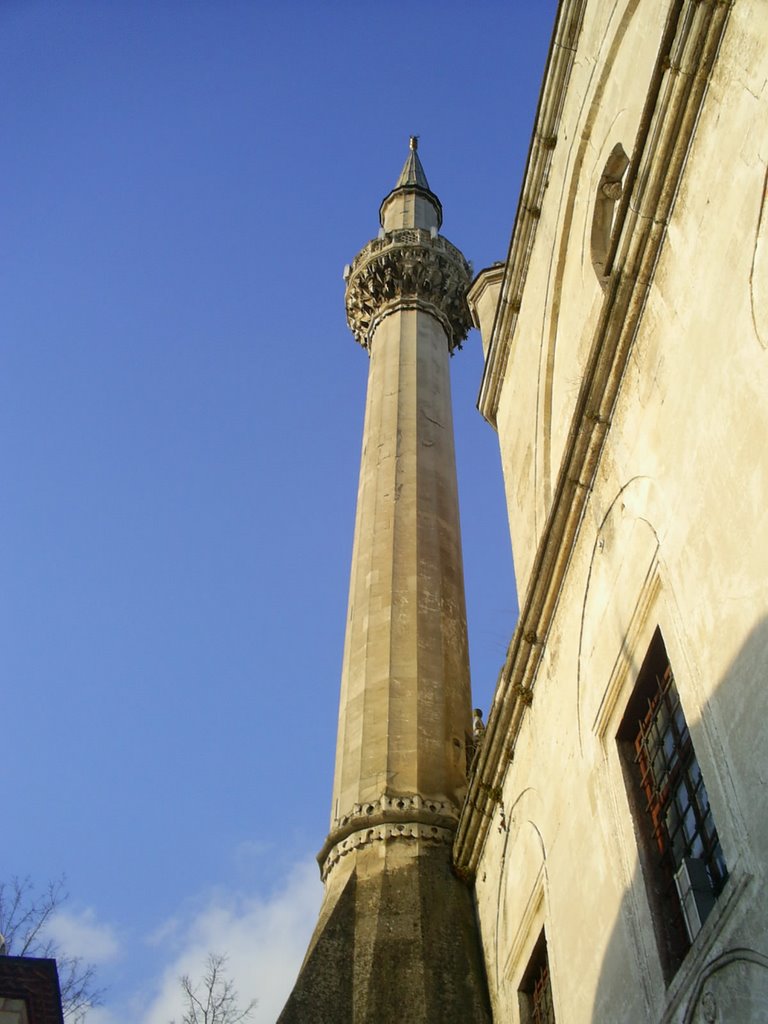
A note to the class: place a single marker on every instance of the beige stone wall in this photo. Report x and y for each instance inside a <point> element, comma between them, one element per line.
<point>562,298</point>
<point>673,536</point>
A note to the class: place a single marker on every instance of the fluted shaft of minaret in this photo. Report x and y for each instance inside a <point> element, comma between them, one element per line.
<point>404,717</point>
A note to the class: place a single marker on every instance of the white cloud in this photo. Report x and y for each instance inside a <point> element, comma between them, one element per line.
<point>264,939</point>
<point>164,933</point>
<point>81,935</point>
<point>249,850</point>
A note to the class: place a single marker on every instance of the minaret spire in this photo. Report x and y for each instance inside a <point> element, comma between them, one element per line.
<point>412,172</point>
<point>397,935</point>
<point>411,203</point>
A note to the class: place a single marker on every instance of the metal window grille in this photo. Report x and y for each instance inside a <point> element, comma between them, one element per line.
<point>542,1009</point>
<point>676,798</point>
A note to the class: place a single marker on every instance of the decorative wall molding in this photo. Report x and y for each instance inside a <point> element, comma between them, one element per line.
<point>540,155</point>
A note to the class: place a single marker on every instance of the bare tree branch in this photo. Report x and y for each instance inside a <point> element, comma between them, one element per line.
<point>214,999</point>
<point>23,917</point>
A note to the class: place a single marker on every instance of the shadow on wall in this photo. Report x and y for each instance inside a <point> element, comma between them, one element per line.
<point>723,976</point>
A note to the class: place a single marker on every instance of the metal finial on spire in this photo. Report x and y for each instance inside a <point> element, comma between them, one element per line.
<point>414,142</point>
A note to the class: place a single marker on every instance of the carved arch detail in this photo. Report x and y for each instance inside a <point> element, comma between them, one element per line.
<point>758,277</point>
<point>625,549</point>
<point>732,987</point>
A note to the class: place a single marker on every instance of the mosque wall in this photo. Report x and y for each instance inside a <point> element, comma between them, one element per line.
<point>616,822</point>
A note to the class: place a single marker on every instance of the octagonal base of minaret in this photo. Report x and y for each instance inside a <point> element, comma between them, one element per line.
<point>397,940</point>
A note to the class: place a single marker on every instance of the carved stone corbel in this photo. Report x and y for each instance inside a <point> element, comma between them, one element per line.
<point>408,268</point>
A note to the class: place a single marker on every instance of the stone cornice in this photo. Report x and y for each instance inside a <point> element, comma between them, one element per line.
<point>408,268</point>
<point>676,95</point>
<point>543,141</point>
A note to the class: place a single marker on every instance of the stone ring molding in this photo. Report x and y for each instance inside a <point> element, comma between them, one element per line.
<point>382,833</point>
<point>389,817</point>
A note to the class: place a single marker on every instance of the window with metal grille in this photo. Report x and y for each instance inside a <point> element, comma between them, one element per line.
<point>680,850</point>
<point>536,1006</point>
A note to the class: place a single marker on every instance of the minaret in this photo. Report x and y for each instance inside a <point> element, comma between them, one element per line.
<point>397,937</point>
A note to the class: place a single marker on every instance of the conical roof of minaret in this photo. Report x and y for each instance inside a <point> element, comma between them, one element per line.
<point>413,172</point>
<point>412,182</point>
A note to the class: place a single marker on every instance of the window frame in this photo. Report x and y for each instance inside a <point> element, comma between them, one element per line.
<point>664,783</point>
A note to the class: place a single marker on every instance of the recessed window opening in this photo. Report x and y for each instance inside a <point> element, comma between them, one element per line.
<point>682,859</point>
<point>535,994</point>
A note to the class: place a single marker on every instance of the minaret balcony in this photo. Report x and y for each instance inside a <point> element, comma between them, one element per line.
<point>408,268</point>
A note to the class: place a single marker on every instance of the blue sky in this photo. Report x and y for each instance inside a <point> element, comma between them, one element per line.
<point>181,412</point>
